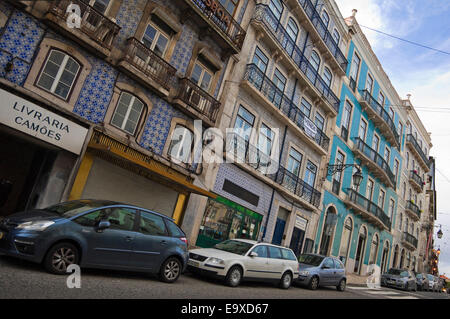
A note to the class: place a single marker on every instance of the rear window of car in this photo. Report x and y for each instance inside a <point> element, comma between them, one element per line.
<point>288,254</point>
<point>275,252</point>
<point>174,230</point>
<point>338,264</point>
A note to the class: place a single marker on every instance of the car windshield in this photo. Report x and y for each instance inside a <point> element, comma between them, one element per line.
<point>69,209</point>
<point>430,277</point>
<point>310,260</point>
<point>234,246</point>
<point>419,276</point>
<point>398,272</point>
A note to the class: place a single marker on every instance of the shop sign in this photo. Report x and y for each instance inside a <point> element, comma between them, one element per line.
<point>36,121</point>
<point>300,222</point>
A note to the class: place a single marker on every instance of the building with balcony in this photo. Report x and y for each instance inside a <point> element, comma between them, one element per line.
<point>123,87</point>
<point>356,221</point>
<point>281,99</point>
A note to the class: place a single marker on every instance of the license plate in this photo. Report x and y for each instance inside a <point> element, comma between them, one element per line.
<point>391,281</point>
<point>193,263</point>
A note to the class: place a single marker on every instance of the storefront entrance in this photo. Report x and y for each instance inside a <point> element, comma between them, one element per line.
<point>298,235</point>
<point>27,166</point>
<point>224,219</point>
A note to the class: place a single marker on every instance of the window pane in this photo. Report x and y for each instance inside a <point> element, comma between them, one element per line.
<point>149,36</point>
<point>161,45</point>
<point>275,252</point>
<point>174,230</point>
<point>196,73</point>
<point>62,90</point>
<point>45,81</point>
<point>151,224</point>
<point>261,251</point>
<point>122,218</point>
<point>90,219</point>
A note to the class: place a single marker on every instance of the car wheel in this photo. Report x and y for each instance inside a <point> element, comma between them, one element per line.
<point>170,270</point>
<point>234,276</point>
<point>61,256</point>
<point>341,285</point>
<point>314,283</point>
<point>286,280</point>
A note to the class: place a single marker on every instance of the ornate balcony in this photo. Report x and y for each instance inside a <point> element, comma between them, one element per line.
<point>145,66</point>
<point>95,31</point>
<point>196,102</point>
<point>367,209</point>
<point>416,181</point>
<point>272,95</point>
<point>244,152</point>
<point>319,33</point>
<point>417,150</point>
<point>374,161</point>
<point>264,21</point>
<point>380,117</point>
<point>413,210</point>
<point>214,20</point>
<point>409,241</point>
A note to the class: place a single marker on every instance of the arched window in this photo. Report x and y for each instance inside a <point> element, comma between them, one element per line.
<point>59,74</point>
<point>408,259</point>
<point>276,7</point>
<point>292,29</point>
<point>325,18</point>
<point>315,60</point>
<point>127,113</point>
<point>374,250</point>
<point>327,232</point>
<point>336,36</point>
<point>181,144</point>
<point>345,241</point>
<point>327,76</point>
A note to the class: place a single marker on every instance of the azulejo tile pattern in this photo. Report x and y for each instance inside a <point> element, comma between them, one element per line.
<point>97,91</point>
<point>128,18</point>
<point>183,50</point>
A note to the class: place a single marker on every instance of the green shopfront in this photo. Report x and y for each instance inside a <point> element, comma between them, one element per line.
<point>224,219</point>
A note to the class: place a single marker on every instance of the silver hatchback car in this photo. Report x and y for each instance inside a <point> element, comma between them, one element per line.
<point>317,270</point>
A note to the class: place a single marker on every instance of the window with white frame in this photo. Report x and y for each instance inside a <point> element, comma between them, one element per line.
<point>202,74</point>
<point>327,76</point>
<point>336,36</point>
<point>157,36</point>
<point>265,140</point>
<point>276,6</point>
<point>325,18</point>
<point>362,130</point>
<point>59,74</point>
<point>260,60</point>
<point>127,113</point>
<point>369,84</point>
<point>315,60</point>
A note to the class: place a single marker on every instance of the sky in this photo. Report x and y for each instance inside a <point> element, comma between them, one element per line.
<point>423,73</point>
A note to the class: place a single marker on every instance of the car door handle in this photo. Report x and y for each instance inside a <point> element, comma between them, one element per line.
<point>163,242</point>
<point>129,238</point>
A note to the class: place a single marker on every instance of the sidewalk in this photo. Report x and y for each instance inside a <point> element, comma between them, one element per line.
<point>356,280</point>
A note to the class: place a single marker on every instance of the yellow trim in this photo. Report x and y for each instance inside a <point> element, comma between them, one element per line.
<point>179,207</point>
<point>82,176</point>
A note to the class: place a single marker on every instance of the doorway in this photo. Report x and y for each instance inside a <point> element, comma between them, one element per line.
<point>280,226</point>
<point>360,250</point>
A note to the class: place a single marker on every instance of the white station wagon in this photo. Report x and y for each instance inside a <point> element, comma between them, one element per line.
<point>240,259</point>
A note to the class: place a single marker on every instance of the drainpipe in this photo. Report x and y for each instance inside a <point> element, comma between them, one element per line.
<point>279,161</point>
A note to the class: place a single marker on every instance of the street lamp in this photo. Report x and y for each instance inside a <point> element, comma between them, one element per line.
<point>357,176</point>
<point>440,233</point>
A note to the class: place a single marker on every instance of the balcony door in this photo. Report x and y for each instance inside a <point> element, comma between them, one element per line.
<point>328,231</point>
<point>202,75</point>
<point>93,18</point>
<point>359,258</point>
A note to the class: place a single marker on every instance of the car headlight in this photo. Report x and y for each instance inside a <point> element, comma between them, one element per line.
<point>215,261</point>
<point>39,225</point>
<point>304,273</point>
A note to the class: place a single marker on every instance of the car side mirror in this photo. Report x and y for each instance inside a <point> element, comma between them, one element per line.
<point>103,224</point>
<point>253,254</point>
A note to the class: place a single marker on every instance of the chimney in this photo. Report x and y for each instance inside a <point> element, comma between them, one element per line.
<point>354,12</point>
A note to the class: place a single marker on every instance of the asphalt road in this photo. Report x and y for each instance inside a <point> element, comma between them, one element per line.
<point>21,279</point>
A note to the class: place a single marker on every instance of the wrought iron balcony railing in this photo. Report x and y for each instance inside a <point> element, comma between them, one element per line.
<point>411,139</point>
<point>93,23</point>
<point>375,158</point>
<point>222,19</point>
<point>244,152</point>
<point>369,207</point>
<point>198,99</point>
<point>149,63</point>
<point>410,239</point>
<point>264,14</point>
<point>417,180</point>
<point>410,206</point>
<point>263,84</point>
<point>381,112</point>
<point>322,30</point>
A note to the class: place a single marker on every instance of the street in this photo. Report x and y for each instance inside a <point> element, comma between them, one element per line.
<point>21,279</point>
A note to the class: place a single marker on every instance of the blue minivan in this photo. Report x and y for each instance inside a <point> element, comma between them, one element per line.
<point>96,234</point>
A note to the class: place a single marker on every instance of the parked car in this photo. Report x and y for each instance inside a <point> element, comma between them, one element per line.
<point>235,260</point>
<point>422,282</point>
<point>432,283</point>
<point>96,234</point>
<point>441,284</point>
<point>317,270</point>
<point>399,278</point>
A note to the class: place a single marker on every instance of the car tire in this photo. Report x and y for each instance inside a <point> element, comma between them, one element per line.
<point>314,283</point>
<point>341,286</point>
<point>286,280</point>
<point>234,276</point>
<point>170,270</point>
<point>61,256</point>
